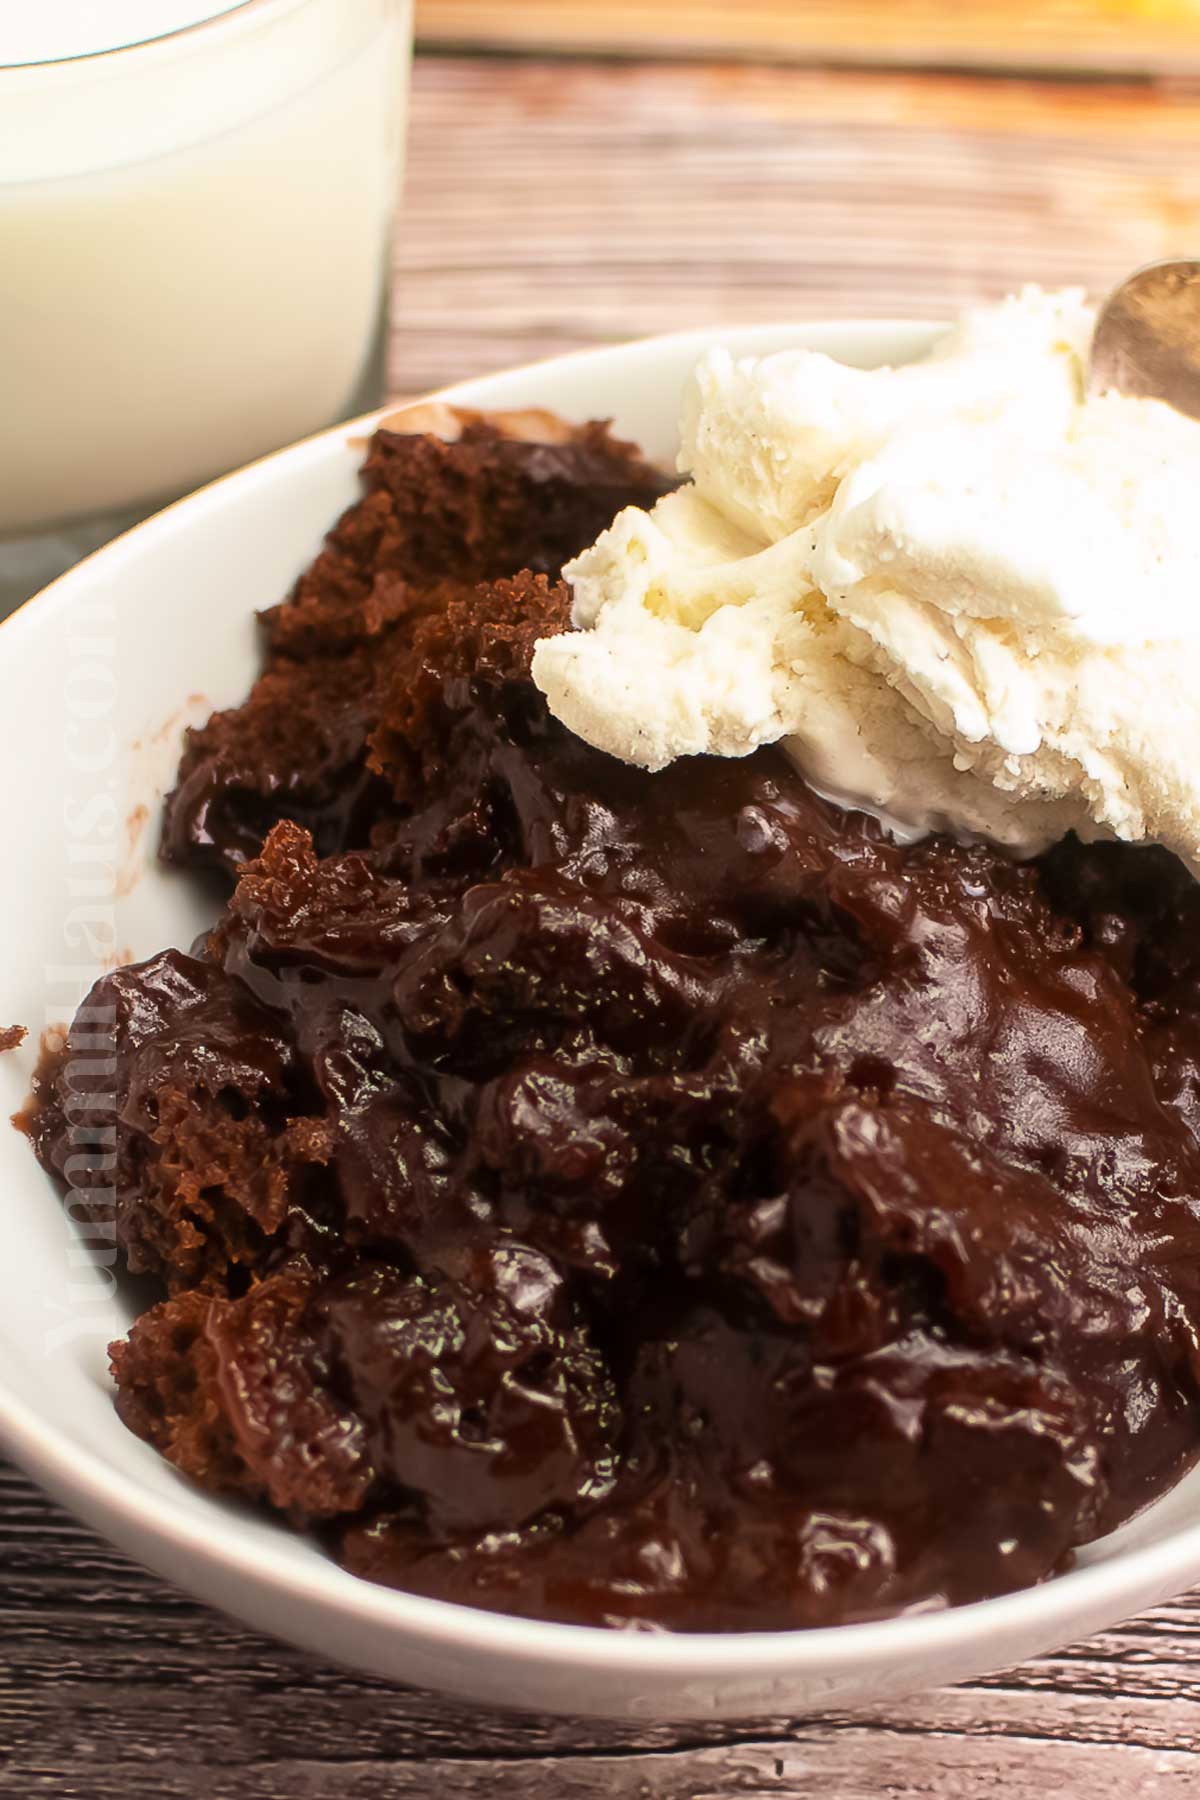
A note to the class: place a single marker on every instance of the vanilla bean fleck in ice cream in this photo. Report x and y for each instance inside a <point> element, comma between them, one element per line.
<point>962,594</point>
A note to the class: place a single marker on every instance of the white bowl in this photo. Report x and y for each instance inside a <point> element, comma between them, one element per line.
<point>98,677</point>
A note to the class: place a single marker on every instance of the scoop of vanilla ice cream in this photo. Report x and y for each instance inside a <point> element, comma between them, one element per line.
<point>962,595</point>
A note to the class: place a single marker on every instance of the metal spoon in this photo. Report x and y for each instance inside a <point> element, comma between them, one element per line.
<point>1147,340</point>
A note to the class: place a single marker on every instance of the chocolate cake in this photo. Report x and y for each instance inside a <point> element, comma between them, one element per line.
<point>641,1200</point>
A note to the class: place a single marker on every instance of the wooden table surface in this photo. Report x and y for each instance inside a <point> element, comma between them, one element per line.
<point>554,202</point>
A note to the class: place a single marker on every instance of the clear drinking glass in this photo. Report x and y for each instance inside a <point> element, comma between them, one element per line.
<point>194,251</point>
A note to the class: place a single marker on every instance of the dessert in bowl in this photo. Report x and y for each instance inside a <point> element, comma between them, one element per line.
<point>618,1181</point>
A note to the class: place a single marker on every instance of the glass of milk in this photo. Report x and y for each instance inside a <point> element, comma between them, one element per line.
<point>196,200</point>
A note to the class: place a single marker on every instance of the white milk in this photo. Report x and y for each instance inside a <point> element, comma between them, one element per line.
<point>193,237</point>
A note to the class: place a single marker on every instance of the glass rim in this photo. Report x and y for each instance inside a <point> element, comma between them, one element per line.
<point>232,16</point>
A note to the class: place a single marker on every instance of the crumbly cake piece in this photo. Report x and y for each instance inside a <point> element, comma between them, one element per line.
<point>438,514</point>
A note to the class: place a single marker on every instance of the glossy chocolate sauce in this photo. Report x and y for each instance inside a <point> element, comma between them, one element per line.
<point>625,1198</point>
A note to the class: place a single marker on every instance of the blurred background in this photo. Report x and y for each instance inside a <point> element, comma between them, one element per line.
<point>582,170</point>
<point>187,226</point>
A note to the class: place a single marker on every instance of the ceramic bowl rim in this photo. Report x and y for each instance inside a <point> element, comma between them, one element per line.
<point>102,1492</point>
